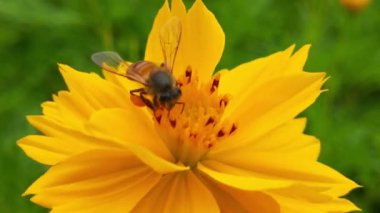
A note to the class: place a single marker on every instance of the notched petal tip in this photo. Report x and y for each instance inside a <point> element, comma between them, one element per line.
<point>178,7</point>
<point>298,59</point>
<point>202,38</point>
<point>65,71</point>
<point>306,47</point>
<point>290,48</point>
<point>204,41</point>
<point>34,119</point>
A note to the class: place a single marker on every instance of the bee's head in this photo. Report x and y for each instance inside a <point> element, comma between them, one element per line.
<point>170,97</point>
<point>176,93</point>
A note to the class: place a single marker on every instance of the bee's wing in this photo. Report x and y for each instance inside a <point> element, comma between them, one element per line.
<point>170,37</point>
<point>110,61</point>
<point>140,71</point>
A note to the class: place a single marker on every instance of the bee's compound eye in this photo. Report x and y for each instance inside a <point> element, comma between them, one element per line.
<point>177,93</point>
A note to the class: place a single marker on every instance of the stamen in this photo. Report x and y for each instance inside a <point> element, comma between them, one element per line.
<point>209,121</point>
<point>223,101</point>
<point>221,133</point>
<point>173,123</point>
<point>192,130</point>
<point>158,118</point>
<point>215,83</point>
<point>193,135</point>
<point>233,128</point>
<point>188,74</point>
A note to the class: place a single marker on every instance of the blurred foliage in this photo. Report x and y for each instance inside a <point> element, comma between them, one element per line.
<point>35,35</point>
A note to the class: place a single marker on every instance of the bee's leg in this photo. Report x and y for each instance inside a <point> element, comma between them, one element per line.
<point>183,105</point>
<point>135,97</point>
<point>155,101</point>
<point>133,92</point>
<point>140,94</point>
<point>146,101</point>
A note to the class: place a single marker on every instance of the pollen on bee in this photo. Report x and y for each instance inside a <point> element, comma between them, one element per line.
<point>136,100</point>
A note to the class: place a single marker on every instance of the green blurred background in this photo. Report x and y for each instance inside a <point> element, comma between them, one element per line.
<point>36,34</point>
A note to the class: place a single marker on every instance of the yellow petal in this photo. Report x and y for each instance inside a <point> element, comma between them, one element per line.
<point>121,81</point>
<point>86,141</point>
<point>283,167</point>
<point>50,109</point>
<point>122,198</point>
<point>126,86</point>
<point>246,182</point>
<point>287,138</point>
<point>47,150</point>
<point>73,109</point>
<point>273,103</point>
<point>246,78</point>
<point>61,141</point>
<point>253,73</point>
<point>299,199</point>
<point>233,200</point>
<point>317,184</point>
<point>130,126</point>
<point>181,192</point>
<point>202,39</point>
<point>93,181</point>
<point>298,60</point>
<point>82,140</point>
<point>98,92</point>
<point>156,162</point>
<point>153,51</point>
<point>178,9</point>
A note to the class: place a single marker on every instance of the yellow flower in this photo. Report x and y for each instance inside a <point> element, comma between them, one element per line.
<point>236,146</point>
<point>355,5</point>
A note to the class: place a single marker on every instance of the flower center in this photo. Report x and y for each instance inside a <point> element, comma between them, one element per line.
<point>194,127</point>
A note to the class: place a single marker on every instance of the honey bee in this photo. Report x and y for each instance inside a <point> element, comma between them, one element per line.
<point>158,80</point>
